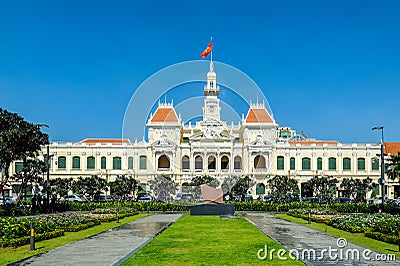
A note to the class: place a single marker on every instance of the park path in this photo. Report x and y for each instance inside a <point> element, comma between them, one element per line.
<point>109,248</point>
<point>305,240</point>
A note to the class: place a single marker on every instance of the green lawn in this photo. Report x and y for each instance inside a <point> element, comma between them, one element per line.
<point>9,255</point>
<point>357,238</point>
<point>208,240</point>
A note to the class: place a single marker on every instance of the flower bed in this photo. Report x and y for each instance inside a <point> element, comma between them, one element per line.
<point>384,227</point>
<point>16,231</point>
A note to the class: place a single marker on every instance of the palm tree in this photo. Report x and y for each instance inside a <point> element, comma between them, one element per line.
<point>394,164</point>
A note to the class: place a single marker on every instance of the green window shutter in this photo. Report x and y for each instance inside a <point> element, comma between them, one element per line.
<point>375,164</point>
<point>103,162</point>
<point>306,163</point>
<point>332,163</point>
<point>143,162</point>
<point>319,163</point>
<point>292,163</point>
<point>76,162</point>
<point>117,163</point>
<point>361,164</point>
<point>90,163</point>
<point>130,162</point>
<point>346,164</point>
<point>19,167</point>
<point>280,163</point>
<point>62,162</point>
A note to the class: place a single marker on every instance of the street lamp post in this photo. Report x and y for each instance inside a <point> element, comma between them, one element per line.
<point>48,171</point>
<point>382,166</point>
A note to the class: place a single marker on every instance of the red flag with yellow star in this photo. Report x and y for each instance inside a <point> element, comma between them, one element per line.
<point>207,51</point>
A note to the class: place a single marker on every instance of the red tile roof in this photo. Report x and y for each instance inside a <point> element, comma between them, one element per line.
<point>313,142</point>
<point>392,147</point>
<point>113,141</point>
<point>165,114</point>
<point>258,115</point>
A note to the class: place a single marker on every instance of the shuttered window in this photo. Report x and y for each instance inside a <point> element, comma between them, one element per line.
<point>292,163</point>
<point>346,164</point>
<point>130,163</point>
<point>62,162</point>
<point>19,167</point>
<point>319,163</point>
<point>103,162</point>
<point>332,163</point>
<point>280,163</point>
<point>90,163</point>
<point>306,163</point>
<point>361,164</point>
<point>117,163</point>
<point>76,162</point>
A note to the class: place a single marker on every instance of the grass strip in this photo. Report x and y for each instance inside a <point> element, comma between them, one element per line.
<point>357,238</point>
<point>9,254</point>
<point>208,240</point>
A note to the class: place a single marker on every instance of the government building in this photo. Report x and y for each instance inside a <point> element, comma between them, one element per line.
<point>256,147</point>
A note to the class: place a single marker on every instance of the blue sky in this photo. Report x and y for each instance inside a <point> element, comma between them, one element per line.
<point>328,68</point>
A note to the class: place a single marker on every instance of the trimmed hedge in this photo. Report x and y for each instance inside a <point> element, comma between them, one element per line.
<point>16,242</point>
<point>382,237</point>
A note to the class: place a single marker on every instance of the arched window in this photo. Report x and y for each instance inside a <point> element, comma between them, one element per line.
<point>103,163</point>
<point>90,161</point>
<point>306,163</point>
<point>143,162</point>
<point>319,163</point>
<point>292,163</point>
<point>212,163</point>
<point>76,162</point>
<point>346,163</point>
<point>198,163</point>
<point>185,163</point>
<point>163,162</point>
<point>280,162</point>
<point>117,163</point>
<point>237,163</point>
<point>259,162</point>
<point>332,163</point>
<point>260,189</point>
<point>375,164</point>
<point>19,167</point>
<point>361,164</point>
<point>130,163</point>
<point>224,162</point>
<point>62,162</point>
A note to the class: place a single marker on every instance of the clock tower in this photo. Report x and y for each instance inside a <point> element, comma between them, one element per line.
<point>211,109</point>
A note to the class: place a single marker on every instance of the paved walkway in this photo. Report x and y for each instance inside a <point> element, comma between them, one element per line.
<point>305,240</point>
<point>109,248</point>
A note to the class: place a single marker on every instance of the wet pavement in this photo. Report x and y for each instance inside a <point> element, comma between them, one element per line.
<point>314,247</point>
<point>109,248</point>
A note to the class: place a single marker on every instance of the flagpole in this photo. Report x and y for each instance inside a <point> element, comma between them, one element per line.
<point>211,48</point>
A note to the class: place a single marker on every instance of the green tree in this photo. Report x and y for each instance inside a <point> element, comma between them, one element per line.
<point>394,167</point>
<point>281,186</point>
<point>19,140</point>
<point>89,186</point>
<point>228,184</point>
<point>357,188</point>
<point>123,186</point>
<point>60,187</point>
<point>324,188</point>
<point>205,179</point>
<point>163,186</point>
<point>31,174</point>
<point>242,186</point>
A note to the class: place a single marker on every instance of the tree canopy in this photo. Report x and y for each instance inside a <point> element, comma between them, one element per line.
<point>281,186</point>
<point>19,140</point>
